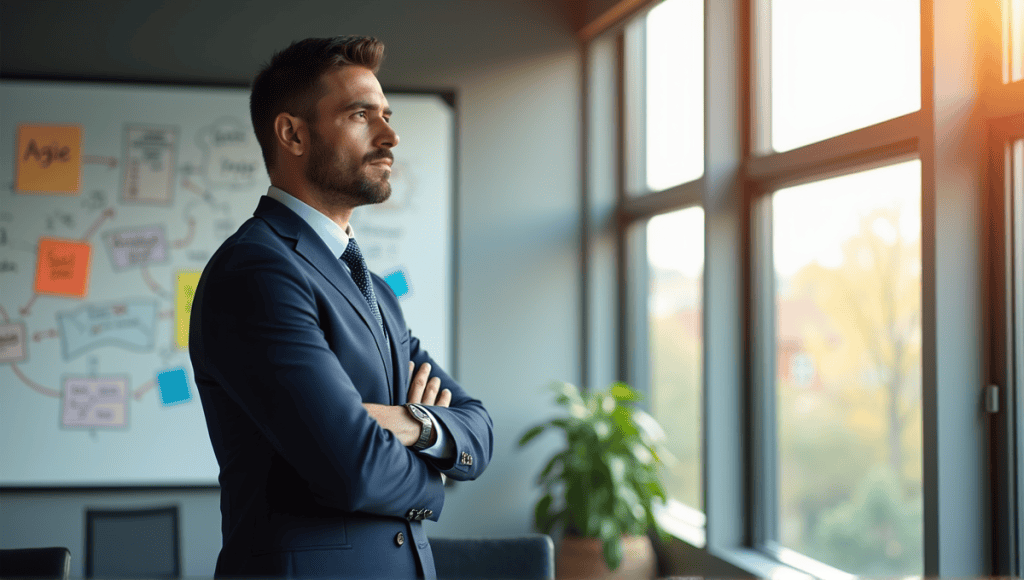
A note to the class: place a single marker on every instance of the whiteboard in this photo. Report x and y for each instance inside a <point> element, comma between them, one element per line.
<point>112,199</point>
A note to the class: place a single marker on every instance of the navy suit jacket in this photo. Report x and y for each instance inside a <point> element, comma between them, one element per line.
<point>285,351</point>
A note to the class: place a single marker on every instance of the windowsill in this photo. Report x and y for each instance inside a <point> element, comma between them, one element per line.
<point>683,522</point>
<point>688,525</point>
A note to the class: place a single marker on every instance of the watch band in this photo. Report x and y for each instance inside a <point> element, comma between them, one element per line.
<point>426,425</point>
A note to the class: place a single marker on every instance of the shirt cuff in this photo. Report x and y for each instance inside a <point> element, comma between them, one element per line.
<point>444,447</point>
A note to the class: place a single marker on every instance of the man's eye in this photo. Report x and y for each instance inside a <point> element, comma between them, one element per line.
<point>361,114</point>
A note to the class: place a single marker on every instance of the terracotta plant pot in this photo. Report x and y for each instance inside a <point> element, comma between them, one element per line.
<point>582,559</point>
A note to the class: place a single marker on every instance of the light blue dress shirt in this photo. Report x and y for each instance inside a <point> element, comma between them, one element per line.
<point>337,240</point>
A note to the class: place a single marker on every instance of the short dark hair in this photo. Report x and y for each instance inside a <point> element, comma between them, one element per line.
<point>290,81</point>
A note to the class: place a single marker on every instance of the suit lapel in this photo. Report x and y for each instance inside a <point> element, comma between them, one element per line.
<point>397,368</point>
<point>313,249</point>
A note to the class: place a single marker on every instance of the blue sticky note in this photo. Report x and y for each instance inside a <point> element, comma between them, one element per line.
<point>174,387</point>
<point>398,283</point>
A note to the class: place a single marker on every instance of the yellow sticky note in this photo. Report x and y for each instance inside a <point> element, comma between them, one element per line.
<point>185,291</point>
<point>49,159</point>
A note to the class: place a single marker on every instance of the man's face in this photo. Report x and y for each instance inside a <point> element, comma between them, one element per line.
<point>351,140</point>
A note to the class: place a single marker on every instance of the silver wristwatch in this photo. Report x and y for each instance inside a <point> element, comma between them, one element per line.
<point>426,425</point>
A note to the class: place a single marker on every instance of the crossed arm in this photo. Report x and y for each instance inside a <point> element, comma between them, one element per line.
<point>423,390</point>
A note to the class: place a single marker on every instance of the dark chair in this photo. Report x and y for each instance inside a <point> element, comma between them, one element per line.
<point>132,543</point>
<point>529,557</point>
<point>35,563</point>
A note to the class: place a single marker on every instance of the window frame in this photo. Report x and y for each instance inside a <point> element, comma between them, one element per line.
<point>1006,420</point>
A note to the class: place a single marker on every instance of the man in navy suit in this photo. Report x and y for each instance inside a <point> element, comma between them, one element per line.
<point>331,424</point>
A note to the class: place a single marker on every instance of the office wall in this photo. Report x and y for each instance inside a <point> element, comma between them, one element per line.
<point>514,66</point>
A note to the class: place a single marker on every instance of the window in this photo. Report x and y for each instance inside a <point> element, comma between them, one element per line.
<point>666,54</point>
<point>846,279</point>
<point>675,266</point>
<point>847,255</point>
<point>840,66</point>
<point>663,130</point>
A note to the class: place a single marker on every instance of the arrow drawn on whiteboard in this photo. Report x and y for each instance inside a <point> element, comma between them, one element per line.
<point>143,389</point>
<point>50,333</point>
<point>27,309</point>
<point>178,244</point>
<point>152,283</point>
<point>34,385</point>
<point>110,162</point>
<point>189,185</point>
<point>107,214</point>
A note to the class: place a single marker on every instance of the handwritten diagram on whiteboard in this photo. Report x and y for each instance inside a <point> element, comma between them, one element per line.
<point>112,199</point>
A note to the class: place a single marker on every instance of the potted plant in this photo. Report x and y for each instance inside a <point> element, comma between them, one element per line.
<point>603,484</point>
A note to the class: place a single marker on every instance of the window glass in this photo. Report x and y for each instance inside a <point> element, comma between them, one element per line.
<point>675,93</point>
<point>840,66</point>
<point>675,255</point>
<point>665,58</point>
<point>847,255</point>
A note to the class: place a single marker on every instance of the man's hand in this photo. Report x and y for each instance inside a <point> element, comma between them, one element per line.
<point>396,418</point>
<point>423,389</point>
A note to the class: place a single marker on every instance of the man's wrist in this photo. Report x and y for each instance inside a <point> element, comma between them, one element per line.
<point>428,434</point>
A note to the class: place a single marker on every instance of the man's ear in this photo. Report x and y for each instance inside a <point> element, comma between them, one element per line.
<point>292,134</point>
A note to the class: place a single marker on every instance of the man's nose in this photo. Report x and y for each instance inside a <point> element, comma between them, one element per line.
<point>386,137</point>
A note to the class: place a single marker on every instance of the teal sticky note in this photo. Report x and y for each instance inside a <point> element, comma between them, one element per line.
<point>398,283</point>
<point>174,387</point>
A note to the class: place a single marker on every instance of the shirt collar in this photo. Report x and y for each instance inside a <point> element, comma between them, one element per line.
<point>329,231</point>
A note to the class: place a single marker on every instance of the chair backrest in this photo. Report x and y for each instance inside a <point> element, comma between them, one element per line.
<point>35,563</point>
<point>529,557</point>
<point>132,543</point>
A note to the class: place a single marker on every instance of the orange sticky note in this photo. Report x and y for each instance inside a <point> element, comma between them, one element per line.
<point>63,267</point>
<point>49,158</point>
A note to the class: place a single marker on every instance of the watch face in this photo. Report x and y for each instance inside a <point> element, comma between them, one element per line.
<point>418,413</point>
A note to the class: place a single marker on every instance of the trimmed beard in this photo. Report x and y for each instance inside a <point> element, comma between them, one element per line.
<point>345,186</point>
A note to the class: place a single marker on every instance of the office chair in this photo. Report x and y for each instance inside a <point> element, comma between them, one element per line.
<point>529,557</point>
<point>35,563</point>
<point>132,543</point>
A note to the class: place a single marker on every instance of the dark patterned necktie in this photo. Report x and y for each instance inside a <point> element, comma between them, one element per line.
<point>361,276</point>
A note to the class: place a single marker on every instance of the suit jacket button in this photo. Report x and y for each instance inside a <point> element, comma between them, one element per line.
<point>400,539</point>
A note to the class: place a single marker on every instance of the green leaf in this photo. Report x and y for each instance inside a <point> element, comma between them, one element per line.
<point>541,514</point>
<point>567,393</point>
<point>612,549</point>
<point>576,505</point>
<point>654,488</point>
<point>568,425</point>
<point>555,460</point>
<point>623,419</point>
<point>649,427</point>
<point>617,467</point>
<point>623,392</point>
<point>642,454</point>
<point>529,435</point>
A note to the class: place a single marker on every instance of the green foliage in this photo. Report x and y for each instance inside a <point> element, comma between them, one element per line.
<point>877,531</point>
<point>605,481</point>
